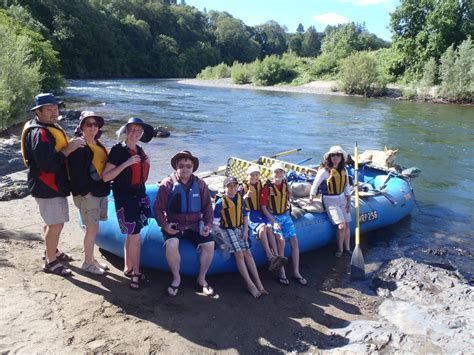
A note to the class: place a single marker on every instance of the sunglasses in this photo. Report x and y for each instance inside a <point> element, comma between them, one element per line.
<point>336,155</point>
<point>91,124</point>
<point>185,166</point>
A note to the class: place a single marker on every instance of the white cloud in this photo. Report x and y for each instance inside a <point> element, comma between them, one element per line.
<point>330,19</point>
<point>365,2</point>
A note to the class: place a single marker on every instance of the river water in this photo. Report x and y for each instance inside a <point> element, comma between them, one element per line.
<point>215,123</point>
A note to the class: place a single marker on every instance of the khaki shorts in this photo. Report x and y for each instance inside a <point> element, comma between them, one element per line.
<point>92,209</point>
<point>336,209</point>
<point>53,210</point>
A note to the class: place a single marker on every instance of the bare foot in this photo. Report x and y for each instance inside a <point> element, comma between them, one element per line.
<point>254,291</point>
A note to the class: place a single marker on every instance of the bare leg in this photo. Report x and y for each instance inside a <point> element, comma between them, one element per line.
<point>272,240</point>
<point>347,237</point>
<point>126,257</point>
<point>51,240</point>
<point>239,259</point>
<point>174,259</point>
<point>207,253</point>
<point>262,234</point>
<point>253,271</point>
<point>134,252</point>
<point>295,256</point>
<point>89,243</point>
<point>340,236</point>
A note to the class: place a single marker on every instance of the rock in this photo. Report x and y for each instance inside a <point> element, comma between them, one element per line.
<point>161,132</point>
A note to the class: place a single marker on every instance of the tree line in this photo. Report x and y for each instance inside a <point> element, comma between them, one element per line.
<point>48,40</point>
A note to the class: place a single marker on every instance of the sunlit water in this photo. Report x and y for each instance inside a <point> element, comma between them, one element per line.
<point>216,123</point>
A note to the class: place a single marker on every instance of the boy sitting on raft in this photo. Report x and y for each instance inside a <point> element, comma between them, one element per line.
<point>252,189</point>
<point>275,196</point>
<point>229,215</point>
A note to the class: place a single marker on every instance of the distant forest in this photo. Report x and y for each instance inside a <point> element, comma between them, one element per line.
<point>45,41</point>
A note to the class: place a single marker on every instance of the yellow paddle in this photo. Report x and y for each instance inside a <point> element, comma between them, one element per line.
<point>357,260</point>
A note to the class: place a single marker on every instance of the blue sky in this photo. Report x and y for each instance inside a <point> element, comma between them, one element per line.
<point>318,13</point>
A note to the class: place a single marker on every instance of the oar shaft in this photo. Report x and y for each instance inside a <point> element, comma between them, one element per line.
<point>356,173</point>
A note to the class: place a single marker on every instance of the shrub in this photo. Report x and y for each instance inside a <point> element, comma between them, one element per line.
<point>217,72</point>
<point>272,70</point>
<point>361,74</point>
<point>428,79</point>
<point>325,67</point>
<point>243,73</point>
<point>20,76</point>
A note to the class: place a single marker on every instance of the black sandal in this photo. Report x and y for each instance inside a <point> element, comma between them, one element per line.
<point>55,267</point>
<point>129,274</point>
<point>135,282</point>
<point>64,257</point>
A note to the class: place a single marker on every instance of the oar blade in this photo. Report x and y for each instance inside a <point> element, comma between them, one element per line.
<point>357,264</point>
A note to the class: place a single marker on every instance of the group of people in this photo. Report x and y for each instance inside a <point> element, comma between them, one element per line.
<point>183,208</point>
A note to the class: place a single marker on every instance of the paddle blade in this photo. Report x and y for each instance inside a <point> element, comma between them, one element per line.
<point>357,264</point>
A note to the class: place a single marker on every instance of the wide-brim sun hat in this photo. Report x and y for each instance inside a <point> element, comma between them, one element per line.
<point>87,114</point>
<point>277,166</point>
<point>253,169</point>
<point>185,154</point>
<point>45,99</point>
<point>334,150</point>
<point>148,131</point>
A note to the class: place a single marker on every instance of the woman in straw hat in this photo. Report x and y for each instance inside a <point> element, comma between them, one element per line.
<point>333,182</point>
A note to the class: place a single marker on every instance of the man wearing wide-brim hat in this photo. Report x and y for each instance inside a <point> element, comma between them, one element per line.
<point>44,147</point>
<point>183,210</point>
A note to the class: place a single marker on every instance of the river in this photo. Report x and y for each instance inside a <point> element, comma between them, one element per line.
<point>215,123</point>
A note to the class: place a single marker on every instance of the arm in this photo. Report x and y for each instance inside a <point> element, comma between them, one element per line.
<point>265,211</point>
<point>44,154</point>
<point>206,207</point>
<point>322,175</point>
<point>159,208</point>
<point>111,171</point>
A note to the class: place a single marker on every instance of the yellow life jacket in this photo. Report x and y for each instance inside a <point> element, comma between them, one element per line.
<point>99,158</point>
<point>60,137</point>
<point>232,214</point>
<point>336,182</point>
<point>277,200</point>
<point>253,203</point>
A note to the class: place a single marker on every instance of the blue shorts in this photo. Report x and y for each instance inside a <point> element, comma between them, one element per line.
<point>287,226</point>
<point>257,220</point>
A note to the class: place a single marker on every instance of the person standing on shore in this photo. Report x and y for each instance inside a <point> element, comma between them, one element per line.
<point>44,148</point>
<point>89,191</point>
<point>333,182</point>
<point>128,167</point>
<point>182,205</point>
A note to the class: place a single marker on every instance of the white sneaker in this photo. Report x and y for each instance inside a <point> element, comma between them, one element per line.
<point>92,269</point>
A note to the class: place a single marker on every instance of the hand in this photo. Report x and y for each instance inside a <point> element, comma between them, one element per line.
<point>171,229</point>
<point>249,193</point>
<point>73,144</point>
<point>206,230</point>
<point>134,159</point>
<point>88,195</point>
<point>276,226</point>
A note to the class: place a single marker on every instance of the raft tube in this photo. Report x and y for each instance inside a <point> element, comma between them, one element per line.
<point>313,230</point>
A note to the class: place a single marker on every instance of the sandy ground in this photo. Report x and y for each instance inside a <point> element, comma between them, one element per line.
<point>45,313</point>
<point>314,87</point>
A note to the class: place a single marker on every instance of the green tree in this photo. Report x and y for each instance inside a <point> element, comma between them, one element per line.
<point>20,75</point>
<point>272,38</point>
<point>300,28</point>
<point>360,74</point>
<point>426,28</point>
<point>448,74</point>
<point>295,43</point>
<point>311,43</point>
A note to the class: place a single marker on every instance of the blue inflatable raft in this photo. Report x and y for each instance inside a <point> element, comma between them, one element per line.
<point>389,199</point>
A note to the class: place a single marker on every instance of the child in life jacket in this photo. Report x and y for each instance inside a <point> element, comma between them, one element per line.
<point>259,223</point>
<point>333,182</point>
<point>229,215</point>
<point>275,196</point>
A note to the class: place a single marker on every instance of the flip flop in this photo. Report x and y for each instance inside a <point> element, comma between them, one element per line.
<point>172,290</point>
<point>301,280</point>
<point>284,281</point>
<point>129,273</point>
<point>207,290</point>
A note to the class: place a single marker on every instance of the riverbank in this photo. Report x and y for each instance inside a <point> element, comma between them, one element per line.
<point>402,306</point>
<point>314,87</point>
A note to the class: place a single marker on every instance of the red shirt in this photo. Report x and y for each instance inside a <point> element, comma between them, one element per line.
<point>264,194</point>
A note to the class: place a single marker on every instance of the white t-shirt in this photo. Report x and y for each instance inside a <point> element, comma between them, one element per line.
<point>323,175</point>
